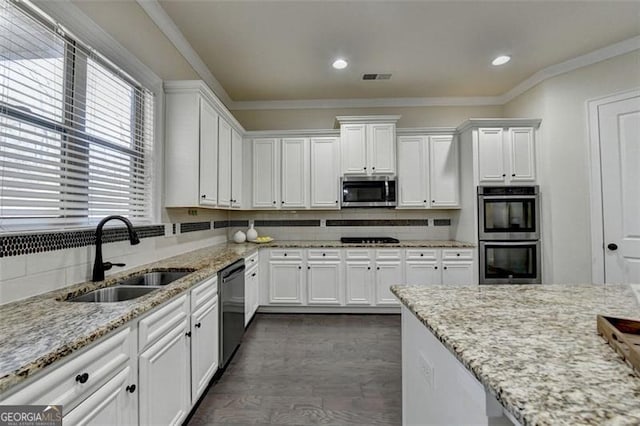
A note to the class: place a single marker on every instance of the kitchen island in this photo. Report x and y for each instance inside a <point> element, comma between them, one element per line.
<point>527,354</point>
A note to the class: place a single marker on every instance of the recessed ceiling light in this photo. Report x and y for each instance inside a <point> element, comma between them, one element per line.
<point>340,64</point>
<point>501,60</point>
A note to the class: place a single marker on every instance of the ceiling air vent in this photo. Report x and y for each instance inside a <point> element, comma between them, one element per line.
<point>376,76</point>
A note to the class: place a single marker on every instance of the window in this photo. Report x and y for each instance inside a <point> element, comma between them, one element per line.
<point>76,132</point>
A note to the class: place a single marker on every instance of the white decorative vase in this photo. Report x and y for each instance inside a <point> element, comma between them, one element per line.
<point>239,237</point>
<point>252,234</point>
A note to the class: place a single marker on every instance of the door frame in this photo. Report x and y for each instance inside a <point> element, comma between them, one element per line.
<point>595,181</point>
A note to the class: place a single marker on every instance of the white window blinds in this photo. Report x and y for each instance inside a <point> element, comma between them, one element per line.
<point>76,133</point>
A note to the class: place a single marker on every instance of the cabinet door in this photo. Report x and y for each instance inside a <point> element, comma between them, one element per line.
<point>204,347</point>
<point>381,148</point>
<point>324,283</point>
<point>286,280</point>
<point>208,154</point>
<point>457,273</point>
<point>256,293</point>
<point>165,377</point>
<point>295,170</point>
<point>422,273</point>
<point>251,294</point>
<point>359,282</point>
<point>521,155</point>
<point>111,404</point>
<point>412,176</point>
<point>443,171</point>
<point>236,169</point>
<point>491,155</point>
<point>353,143</point>
<point>325,173</point>
<point>388,273</point>
<point>224,164</point>
<point>265,173</point>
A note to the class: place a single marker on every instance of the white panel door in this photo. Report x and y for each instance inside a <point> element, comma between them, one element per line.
<point>295,173</point>
<point>412,173</point>
<point>286,281</point>
<point>457,273</point>
<point>325,173</point>
<point>620,150</point>
<point>353,143</point>
<point>521,155</point>
<point>444,174</point>
<point>388,273</point>
<point>224,163</point>
<point>358,282</point>
<point>165,378</point>
<point>422,273</point>
<point>324,283</point>
<point>491,155</point>
<point>115,402</point>
<point>204,347</point>
<point>236,169</point>
<point>208,154</point>
<point>381,147</point>
<point>265,173</point>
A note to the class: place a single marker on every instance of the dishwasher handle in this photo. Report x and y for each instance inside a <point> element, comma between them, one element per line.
<point>229,275</point>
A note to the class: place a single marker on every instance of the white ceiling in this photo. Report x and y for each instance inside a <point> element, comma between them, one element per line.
<point>283,50</point>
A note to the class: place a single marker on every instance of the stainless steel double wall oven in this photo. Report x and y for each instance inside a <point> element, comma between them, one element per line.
<point>509,234</point>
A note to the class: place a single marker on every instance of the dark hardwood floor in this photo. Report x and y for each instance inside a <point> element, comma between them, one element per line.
<point>308,370</point>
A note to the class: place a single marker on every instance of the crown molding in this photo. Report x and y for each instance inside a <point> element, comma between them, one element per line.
<point>415,131</point>
<point>173,33</point>
<point>498,122</point>
<point>342,119</point>
<point>313,133</point>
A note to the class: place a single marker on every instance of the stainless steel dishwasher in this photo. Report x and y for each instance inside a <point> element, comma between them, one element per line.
<point>231,295</point>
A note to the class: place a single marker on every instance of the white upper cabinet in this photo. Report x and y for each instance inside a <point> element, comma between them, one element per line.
<point>325,173</point>
<point>428,172</point>
<point>295,172</point>
<point>368,145</point>
<point>506,156</point>
<point>191,149</point>
<point>413,187</point>
<point>224,164</point>
<point>236,169</point>
<point>354,148</point>
<point>266,173</point>
<point>444,174</point>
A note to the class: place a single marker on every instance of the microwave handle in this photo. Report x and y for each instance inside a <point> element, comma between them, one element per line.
<point>386,190</point>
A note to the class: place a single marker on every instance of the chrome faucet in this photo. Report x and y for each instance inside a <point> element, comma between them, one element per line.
<point>98,266</point>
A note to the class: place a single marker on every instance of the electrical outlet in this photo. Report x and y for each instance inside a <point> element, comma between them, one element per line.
<point>192,212</point>
<point>426,369</point>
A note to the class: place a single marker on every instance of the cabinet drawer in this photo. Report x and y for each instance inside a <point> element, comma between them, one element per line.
<point>250,273</point>
<point>422,254</point>
<point>251,260</point>
<point>72,382</point>
<point>204,292</point>
<point>286,254</point>
<point>464,254</point>
<point>390,254</point>
<point>358,254</point>
<point>156,325</point>
<point>320,254</point>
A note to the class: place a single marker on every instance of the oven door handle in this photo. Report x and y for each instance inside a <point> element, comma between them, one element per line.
<point>508,197</point>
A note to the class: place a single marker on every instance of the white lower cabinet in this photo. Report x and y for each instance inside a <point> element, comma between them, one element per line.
<point>358,280</point>
<point>457,272</point>
<point>324,283</point>
<point>165,375</point>
<point>204,347</point>
<point>286,281</point>
<point>115,403</point>
<point>422,272</point>
<point>435,267</point>
<point>388,273</point>
<point>251,293</point>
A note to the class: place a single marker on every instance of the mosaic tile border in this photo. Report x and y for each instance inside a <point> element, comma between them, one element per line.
<point>40,242</point>
<point>194,226</point>
<point>441,222</point>
<point>286,223</point>
<point>219,224</point>
<point>378,222</point>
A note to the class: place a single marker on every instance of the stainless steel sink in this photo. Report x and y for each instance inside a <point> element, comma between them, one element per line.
<point>113,294</point>
<point>157,278</point>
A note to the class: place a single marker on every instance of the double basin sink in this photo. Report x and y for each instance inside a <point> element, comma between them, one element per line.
<point>132,287</point>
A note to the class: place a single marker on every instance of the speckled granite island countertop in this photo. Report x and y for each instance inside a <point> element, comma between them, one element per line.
<point>536,348</point>
<point>38,331</point>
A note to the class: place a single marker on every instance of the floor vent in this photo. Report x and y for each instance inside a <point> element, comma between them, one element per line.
<point>376,76</point>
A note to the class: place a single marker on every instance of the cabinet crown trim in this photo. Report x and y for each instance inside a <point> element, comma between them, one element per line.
<point>343,119</point>
<point>498,122</point>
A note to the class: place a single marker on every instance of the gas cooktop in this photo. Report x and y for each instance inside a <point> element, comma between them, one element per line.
<point>369,240</point>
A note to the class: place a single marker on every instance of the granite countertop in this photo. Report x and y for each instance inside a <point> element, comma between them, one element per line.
<point>40,330</point>
<point>536,348</point>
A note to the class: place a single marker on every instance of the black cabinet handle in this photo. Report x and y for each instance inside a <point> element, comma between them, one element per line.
<point>513,175</point>
<point>503,175</point>
<point>378,268</point>
<point>308,267</point>
<point>444,267</point>
<point>82,378</point>
<point>131,388</point>
<point>369,267</point>
<point>281,202</point>
<point>365,168</point>
<point>188,334</point>
<point>198,325</point>
<point>373,168</point>
<point>285,254</point>
<point>435,267</point>
<point>457,254</point>
<point>274,202</point>
<point>336,201</point>
<point>324,254</point>
<point>612,246</point>
<point>253,275</point>
<point>424,201</point>
<point>299,267</point>
<point>421,254</point>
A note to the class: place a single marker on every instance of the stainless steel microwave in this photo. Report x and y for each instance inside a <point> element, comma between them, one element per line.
<point>368,191</point>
